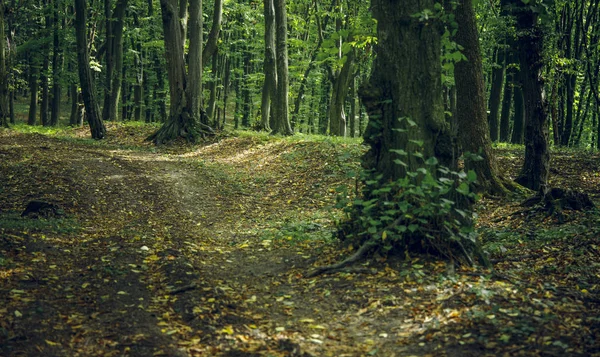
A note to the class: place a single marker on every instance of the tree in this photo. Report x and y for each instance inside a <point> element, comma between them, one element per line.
<point>113,48</point>
<point>530,45</point>
<point>470,104</point>
<point>282,122</point>
<point>92,111</point>
<point>185,114</point>
<point>269,91</point>
<point>4,110</point>
<point>407,129</point>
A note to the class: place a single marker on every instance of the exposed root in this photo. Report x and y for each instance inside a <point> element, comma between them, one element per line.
<point>359,254</point>
<point>181,126</point>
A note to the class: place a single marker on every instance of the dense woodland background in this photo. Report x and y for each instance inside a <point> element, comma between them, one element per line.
<point>445,206</point>
<point>330,56</point>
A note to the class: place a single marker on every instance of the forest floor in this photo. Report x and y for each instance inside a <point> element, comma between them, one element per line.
<point>202,251</point>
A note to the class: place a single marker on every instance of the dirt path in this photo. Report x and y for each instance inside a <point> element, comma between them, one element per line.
<point>202,252</point>
<point>163,259</point>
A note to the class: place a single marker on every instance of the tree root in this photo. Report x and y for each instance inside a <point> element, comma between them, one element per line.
<point>181,126</point>
<point>360,253</point>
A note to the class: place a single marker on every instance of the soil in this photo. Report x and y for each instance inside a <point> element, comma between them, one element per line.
<point>201,251</point>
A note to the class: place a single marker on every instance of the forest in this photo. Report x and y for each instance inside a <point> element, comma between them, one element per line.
<point>299,178</point>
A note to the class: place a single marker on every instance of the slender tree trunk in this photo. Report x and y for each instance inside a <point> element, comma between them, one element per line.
<point>57,65</point>
<point>337,116</point>
<point>496,93</point>
<point>321,25</point>
<point>353,107</point>
<point>282,122</point>
<point>246,90</point>
<point>4,92</point>
<point>323,107</point>
<point>211,43</point>
<point>139,83</point>
<point>115,61</point>
<point>269,66</point>
<point>33,89</point>
<point>44,80</point>
<point>506,105</point>
<point>92,111</point>
<point>74,104</point>
<point>519,112</point>
<point>226,90</point>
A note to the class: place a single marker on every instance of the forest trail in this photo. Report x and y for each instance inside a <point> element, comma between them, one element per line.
<point>201,251</point>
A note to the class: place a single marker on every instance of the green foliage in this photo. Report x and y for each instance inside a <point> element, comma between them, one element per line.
<point>14,222</point>
<point>425,208</point>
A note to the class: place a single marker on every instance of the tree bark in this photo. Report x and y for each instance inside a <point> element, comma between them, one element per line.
<point>213,37</point>
<point>337,116</point>
<point>114,59</point>
<point>44,80</point>
<point>282,121</point>
<point>186,117</point>
<point>33,89</point>
<point>470,104</point>
<point>496,93</point>
<point>269,66</point>
<point>4,92</point>
<point>57,65</point>
<point>505,111</point>
<point>92,111</point>
<point>397,90</point>
<point>534,173</point>
<point>519,112</point>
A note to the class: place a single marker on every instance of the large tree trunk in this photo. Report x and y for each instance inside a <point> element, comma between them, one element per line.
<point>92,111</point>
<point>534,173</point>
<point>185,114</point>
<point>399,90</point>
<point>282,122</point>
<point>470,104</point>
<point>403,98</point>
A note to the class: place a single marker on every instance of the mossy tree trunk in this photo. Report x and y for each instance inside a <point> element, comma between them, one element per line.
<point>405,83</point>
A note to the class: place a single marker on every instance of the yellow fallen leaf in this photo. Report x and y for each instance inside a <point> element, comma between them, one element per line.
<point>85,285</point>
<point>228,330</point>
<point>307,320</point>
<point>52,343</point>
<point>318,327</point>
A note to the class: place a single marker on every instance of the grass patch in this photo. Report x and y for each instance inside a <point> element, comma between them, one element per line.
<point>317,227</point>
<point>14,222</point>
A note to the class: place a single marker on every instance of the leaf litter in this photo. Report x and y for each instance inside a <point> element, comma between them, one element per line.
<point>194,251</point>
